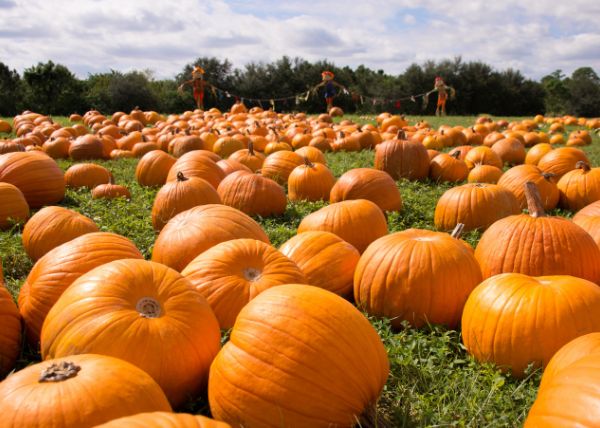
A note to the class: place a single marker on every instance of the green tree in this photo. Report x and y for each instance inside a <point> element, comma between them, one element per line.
<point>557,95</point>
<point>10,91</point>
<point>584,91</point>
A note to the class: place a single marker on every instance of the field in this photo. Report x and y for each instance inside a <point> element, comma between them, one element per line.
<point>433,381</point>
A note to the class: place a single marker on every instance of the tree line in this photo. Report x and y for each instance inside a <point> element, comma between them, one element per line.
<point>53,89</point>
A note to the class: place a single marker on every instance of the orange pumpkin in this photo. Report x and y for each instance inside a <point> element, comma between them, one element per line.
<point>367,183</point>
<point>537,152</point>
<point>357,221</point>
<point>153,168</point>
<point>51,227</point>
<point>313,154</point>
<point>229,166</point>
<point>252,194</point>
<point>496,329</point>
<point>482,155</point>
<point>278,166</point>
<point>164,420</point>
<point>515,178</point>
<point>562,160</point>
<point>86,147</point>
<point>110,191</point>
<point>10,339</point>
<point>165,317</point>
<point>197,164</point>
<point>402,158</point>
<point>57,148</point>
<point>185,143</point>
<point>13,206</point>
<point>87,175</point>
<point>310,182</point>
<point>448,168</point>
<point>249,158</point>
<point>84,385</point>
<point>57,269</point>
<point>284,344</point>
<point>232,273</point>
<point>588,218</point>
<point>579,187</point>
<point>194,231</point>
<point>510,150</point>
<point>484,174</point>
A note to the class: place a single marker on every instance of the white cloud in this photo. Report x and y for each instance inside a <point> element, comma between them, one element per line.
<point>537,36</point>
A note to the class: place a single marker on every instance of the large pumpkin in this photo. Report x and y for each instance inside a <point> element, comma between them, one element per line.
<point>36,175</point>
<point>78,391</point>
<point>496,328</point>
<point>87,147</point>
<point>13,206</point>
<point>515,178</point>
<point>172,334</point>
<point>579,187</point>
<point>197,164</point>
<point>402,158</point>
<point>326,259</point>
<point>589,220</point>
<point>357,221</point>
<point>368,183</point>
<point>279,165</point>
<point>232,273</point>
<point>298,356</point>
<point>417,276</point>
<point>562,160</point>
<point>477,206</point>
<point>87,175</point>
<point>534,244</point>
<point>194,231</point>
<point>153,168</point>
<point>10,339</point>
<point>56,270</point>
<point>53,226</point>
<point>252,194</point>
<point>310,182</point>
<point>164,420</point>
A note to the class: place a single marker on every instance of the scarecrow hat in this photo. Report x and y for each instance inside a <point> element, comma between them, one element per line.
<point>327,75</point>
<point>197,70</point>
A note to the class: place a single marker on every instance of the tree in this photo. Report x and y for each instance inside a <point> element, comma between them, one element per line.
<point>584,91</point>
<point>115,91</point>
<point>10,91</point>
<point>557,95</point>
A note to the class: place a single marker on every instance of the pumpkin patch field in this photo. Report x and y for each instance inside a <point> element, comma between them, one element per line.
<point>254,269</point>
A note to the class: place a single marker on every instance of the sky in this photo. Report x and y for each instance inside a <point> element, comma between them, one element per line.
<point>91,36</point>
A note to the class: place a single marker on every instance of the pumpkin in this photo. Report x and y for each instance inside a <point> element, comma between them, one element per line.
<point>77,392</point>
<point>537,152</point>
<point>476,205</point>
<point>13,206</point>
<point>357,221</point>
<point>87,175</point>
<point>310,182</point>
<point>36,175</point>
<point>57,269</point>
<point>57,148</point>
<point>461,150</point>
<point>249,158</point>
<point>230,166</point>
<point>121,154</point>
<point>579,187</point>
<point>10,147</point>
<point>313,154</point>
<point>588,218</point>
<point>225,146</point>
<point>448,168</point>
<point>510,150</point>
<point>197,164</point>
<point>10,339</point>
<point>5,127</point>
<point>417,276</point>
<point>110,191</point>
<point>562,160</point>
<point>172,334</point>
<point>278,166</point>
<point>515,178</point>
<point>292,354</point>
<point>51,227</point>
<point>153,168</point>
<point>536,245</point>
<point>402,158</point>
<point>252,194</point>
<point>140,149</point>
<point>232,273</point>
<point>495,327</point>
<point>164,420</point>
<point>86,147</point>
<point>326,259</point>
<point>484,174</point>
<point>185,143</point>
<point>194,231</point>
<point>482,155</point>
<point>180,195</point>
<point>368,183</point>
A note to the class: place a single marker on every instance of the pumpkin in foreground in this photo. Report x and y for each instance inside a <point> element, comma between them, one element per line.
<point>78,391</point>
<point>10,320</point>
<point>298,356</point>
<point>164,420</point>
<point>144,313</point>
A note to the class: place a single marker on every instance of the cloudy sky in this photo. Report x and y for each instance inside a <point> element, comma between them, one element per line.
<point>88,36</point>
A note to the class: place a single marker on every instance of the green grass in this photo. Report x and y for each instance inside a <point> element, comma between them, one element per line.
<point>433,381</point>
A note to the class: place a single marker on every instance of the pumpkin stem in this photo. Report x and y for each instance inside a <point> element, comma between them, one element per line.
<point>57,372</point>
<point>583,165</point>
<point>251,148</point>
<point>251,274</point>
<point>307,162</point>
<point>534,200</point>
<point>181,177</point>
<point>401,135</point>
<point>148,307</point>
<point>456,154</point>
<point>548,175</point>
<point>458,231</point>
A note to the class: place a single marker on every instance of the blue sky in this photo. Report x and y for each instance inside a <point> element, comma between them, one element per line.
<point>536,36</point>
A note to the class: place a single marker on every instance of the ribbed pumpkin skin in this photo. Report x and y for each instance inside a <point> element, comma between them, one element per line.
<point>446,168</point>
<point>110,191</point>
<point>175,348</point>
<point>249,158</point>
<point>312,153</point>
<point>562,160</point>
<point>576,349</point>
<point>538,246</point>
<point>36,175</point>
<point>537,152</point>
<point>326,259</point>
<point>570,399</point>
<point>497,328</point>
<point>180,195</point>
<point>56,270</point>
<point>402,159</point>
<point>194,231</point>
<point>416,275</point>
<point>164,420</point>
<point>53,226</point>
<point>153,168</point>
<point>195,164</point>
<point>484,174</point>
<point>368,183</point>
<point>10,335</point>
<point>483,155</point>
<point>311,182</point>
<point>579,188</point>
<point>477,206</point>
<point>87,175</point>
<point>86,400</point>
<point>515,178</point>
<point>298,356</point>
<point>588,218</point>
<point>232,273</point>
<point>358,222</point>
<point>13,206</point>
<point>252,194</point>
<point>279,165</point>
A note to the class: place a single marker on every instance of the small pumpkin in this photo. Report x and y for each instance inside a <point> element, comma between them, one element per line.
<point>448,168</point>
<point>402,158</point>
<point>537,152</point>
<point>153,168</point>
<point>483,155</point>
<point>13,206</point>
<point>579,187</point>
<point>510,150</point>
<point>485,174</point>
<point>86,147</point>
<point>515,178</point>
<point>310,182</point>
<point>252,194</point>
<point>87,175</point>
<point>370,184</point>
<point>110,190</point>
<point>197,164</point>
<point>248,157</point>
<point>278,166</point>
<point>313,154</point>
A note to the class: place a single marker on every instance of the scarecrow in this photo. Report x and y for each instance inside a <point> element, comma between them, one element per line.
<point>442,90</point>
<point>197,83</point>
<point>329,85</point>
